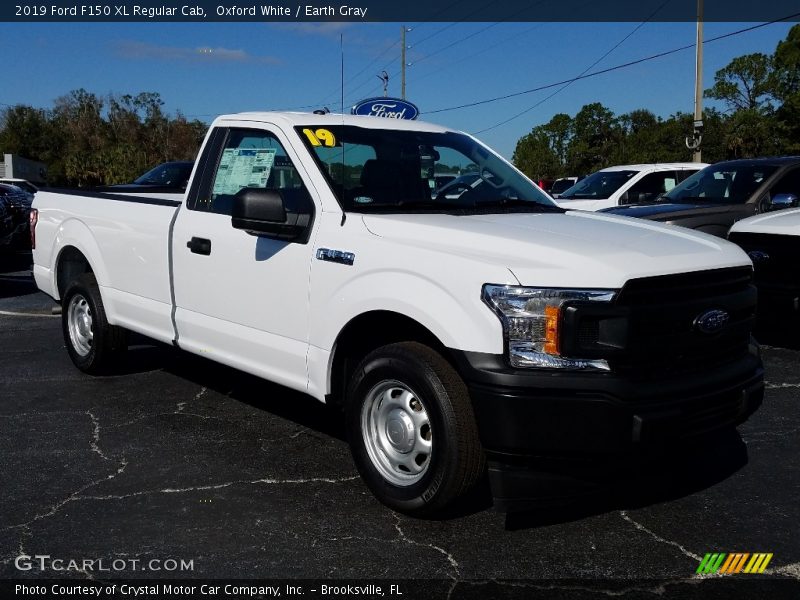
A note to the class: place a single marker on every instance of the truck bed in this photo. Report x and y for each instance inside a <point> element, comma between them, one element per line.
<point>133,233</point>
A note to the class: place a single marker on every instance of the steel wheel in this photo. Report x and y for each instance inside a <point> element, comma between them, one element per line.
<point>397,433</point>
<point>79,323</point>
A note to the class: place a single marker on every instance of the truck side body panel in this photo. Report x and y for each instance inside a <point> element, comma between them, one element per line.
<point>125,243</point>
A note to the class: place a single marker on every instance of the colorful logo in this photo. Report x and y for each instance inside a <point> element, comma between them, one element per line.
<point>736,562</point>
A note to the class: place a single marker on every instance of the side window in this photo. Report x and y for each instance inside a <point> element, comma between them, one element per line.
<point>249,158</point>
<point>788,184</point>
<point>651,186</point>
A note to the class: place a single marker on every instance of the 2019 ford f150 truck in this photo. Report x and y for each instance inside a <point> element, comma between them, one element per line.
<point>455,330</point>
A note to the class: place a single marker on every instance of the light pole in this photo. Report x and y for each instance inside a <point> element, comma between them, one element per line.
<point>694,143</point>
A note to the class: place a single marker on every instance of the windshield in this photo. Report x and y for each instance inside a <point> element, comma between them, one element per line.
<point>598,185</point>
<point>721,183</point>
<point>167,174</point>
<point>385,170</point>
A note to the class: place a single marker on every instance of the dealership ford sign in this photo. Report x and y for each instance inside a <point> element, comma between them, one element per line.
<point>388,108</point>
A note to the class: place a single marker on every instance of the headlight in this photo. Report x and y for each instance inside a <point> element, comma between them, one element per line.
<point>531,320</point>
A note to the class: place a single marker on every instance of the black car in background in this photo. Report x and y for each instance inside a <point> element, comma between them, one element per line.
<point>715,198</point>
<point>7,228</point>
<point>17,206</point>
<point>166,177</point>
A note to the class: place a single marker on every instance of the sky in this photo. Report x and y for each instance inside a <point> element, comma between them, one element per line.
<point>206,69</point>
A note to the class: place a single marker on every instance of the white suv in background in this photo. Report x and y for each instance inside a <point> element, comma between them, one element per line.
<point>626,184</point>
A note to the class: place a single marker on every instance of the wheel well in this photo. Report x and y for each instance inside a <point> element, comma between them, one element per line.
<point>365,333</point>
<point>71,264</point>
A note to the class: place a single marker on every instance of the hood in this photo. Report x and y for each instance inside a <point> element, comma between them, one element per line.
<point>573,249</point>
<point>582,204</point>
<point>659,211</point>
<point>782,222</point>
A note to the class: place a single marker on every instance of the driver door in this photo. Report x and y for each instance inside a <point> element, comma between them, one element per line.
<point>242,299</point>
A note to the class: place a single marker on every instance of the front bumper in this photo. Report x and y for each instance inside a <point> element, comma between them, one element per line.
<point>569,424</point>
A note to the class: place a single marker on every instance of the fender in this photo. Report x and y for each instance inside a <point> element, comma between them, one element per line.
<point>464,323</point>
<point>74,232</point>
<point>458,321</point>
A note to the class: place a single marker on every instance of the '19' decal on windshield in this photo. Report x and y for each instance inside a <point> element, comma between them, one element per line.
<point>320,137</point>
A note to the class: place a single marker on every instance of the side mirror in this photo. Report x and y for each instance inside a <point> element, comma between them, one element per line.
<point>279,214</point>
<point>780,201</point>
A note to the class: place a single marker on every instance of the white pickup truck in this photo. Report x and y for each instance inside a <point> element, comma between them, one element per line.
<point>489,327</point>
<point>772,241</point>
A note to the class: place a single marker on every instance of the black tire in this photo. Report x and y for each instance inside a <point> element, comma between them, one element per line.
<point>100,354</point>
<point>455,462</point>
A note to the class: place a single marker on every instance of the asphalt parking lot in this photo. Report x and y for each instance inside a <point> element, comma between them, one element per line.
<point>179,458</point>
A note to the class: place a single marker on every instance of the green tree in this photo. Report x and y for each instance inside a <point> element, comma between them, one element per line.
<point>595,132</point>
<point>787,89</point>
<point>746,83</point>
<point>534,155</point>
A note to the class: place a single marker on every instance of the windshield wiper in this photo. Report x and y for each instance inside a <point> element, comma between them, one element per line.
<point>432,204</point>
<point>518,203</point>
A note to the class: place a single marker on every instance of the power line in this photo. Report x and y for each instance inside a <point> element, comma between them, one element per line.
<point>586,70</point>
<point>610,69</point>
<point>434,34</point>
<point>493,46</point>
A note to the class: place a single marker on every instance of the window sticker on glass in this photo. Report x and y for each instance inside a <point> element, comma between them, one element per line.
<point>320,137</point>
<point>669,183</point>
<point>243,167</point>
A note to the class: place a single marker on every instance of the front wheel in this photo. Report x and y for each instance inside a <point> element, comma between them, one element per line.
<point>93,344</point>
<point>412,430</point>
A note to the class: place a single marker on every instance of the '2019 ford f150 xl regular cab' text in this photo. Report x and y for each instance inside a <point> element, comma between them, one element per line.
<point>487,327</point>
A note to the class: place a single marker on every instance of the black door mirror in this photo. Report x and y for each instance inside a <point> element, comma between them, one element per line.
<point>279,214</point>
<point>779,201</point>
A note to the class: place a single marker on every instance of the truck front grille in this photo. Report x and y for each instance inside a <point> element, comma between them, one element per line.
<point>663,338</point>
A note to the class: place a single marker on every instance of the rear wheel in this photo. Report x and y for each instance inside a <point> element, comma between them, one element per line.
<point>412,430</point>
<point>93,345</point>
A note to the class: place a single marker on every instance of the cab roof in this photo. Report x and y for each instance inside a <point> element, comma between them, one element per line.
<point>301,119</point>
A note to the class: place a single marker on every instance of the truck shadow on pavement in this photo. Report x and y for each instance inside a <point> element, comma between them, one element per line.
<point>779,335</point>
<point>15,277</point>
<point>679,473</point>
<point>146,355</point>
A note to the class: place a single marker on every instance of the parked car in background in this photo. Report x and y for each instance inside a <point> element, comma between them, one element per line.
<point>718,196</point>
<point>7,228</point>
<point>625,184</point>
<point>23,184</point>
<point>169,177</point>
<point>772,241</point>
<point>17,204</point>
<point>562,184</point>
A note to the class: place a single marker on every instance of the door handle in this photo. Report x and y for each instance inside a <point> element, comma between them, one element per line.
<point>199,246</point>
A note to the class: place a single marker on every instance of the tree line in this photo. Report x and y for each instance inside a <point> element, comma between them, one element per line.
<point>88,140</point>
<point>761,96</point>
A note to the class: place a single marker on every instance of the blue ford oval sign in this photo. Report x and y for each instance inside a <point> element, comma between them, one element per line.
<point>711,321</point>
<point>388,108</point>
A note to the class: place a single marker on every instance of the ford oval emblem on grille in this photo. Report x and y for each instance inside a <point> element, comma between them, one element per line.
<point>711,321</point>
<point>758,256</point>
